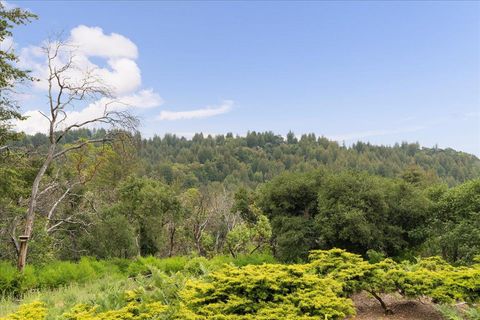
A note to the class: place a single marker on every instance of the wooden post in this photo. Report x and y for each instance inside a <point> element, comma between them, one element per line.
<point>22,252</point>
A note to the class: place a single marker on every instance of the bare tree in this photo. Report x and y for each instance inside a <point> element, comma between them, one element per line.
<point>196,202</point>
<point>225,219</point>
<point>199,221</point>
<point>68,86</point>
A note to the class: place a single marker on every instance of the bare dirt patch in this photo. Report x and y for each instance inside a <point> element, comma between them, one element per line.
<point>369,309</point>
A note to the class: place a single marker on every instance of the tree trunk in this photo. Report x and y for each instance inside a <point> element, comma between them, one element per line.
<point>197,236</point>
<point>22,253</point>
<point>137,244</point>
<point>386,309</point>
<point>232,252</point>
<point>172,240</point>
<point>30,218</point>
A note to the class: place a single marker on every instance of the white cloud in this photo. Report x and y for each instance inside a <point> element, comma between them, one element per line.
<point>7,44</point>
<point>33,58</point>
<point>117,69</point>
<point>143,99</point>
<point>93,42</point>
<point>35,123</point>
<point>225,107</point>
<point>124,75</point>
<point>113,59</point>
<point>8,5</point>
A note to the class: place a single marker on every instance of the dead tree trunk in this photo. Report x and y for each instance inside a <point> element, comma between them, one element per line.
<point>172,231</point>
<point>30,217</point>
<point>65,89</point>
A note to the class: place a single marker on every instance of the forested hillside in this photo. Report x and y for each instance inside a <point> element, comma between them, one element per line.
<point>235,195</point>
<point>257,157</point>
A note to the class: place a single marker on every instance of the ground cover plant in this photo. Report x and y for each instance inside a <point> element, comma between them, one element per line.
<point>321,288</point>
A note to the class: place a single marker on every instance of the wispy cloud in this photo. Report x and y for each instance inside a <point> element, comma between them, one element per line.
<point>474,114</point>
<point>441,120</point>
<point>373,133</point>
<point>207,112</point>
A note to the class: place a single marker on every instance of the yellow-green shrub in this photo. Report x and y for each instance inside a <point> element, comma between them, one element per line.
<point>204,290</point>
<point>136,309</point>
<point>32,311</point>
<point>267,291</point>
<point>133,310</point>
<point>435,278</point>
<point>431,277</point>
<point>347,268</point>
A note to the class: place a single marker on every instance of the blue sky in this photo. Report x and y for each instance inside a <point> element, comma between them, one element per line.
<point>382,72</point>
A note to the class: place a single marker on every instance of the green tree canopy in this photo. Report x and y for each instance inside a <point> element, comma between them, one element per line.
<point>10,74</point>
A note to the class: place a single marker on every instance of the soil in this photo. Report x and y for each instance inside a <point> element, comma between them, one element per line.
<point>369,309</point>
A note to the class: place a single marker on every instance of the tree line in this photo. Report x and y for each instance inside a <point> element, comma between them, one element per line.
<point>111,193</point>
<point>260,156</point>
<point>108,202</point>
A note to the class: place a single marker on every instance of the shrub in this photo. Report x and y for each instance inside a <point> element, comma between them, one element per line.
<point>242,260</point>
<point>52,275</point>
<point>121,264</point>
<point>253,259</point>
<point>462,313</point>
<point>144,265</point>
<point>173,264</point>
<point>13,282</point>
<point>217,289</point>
<point>354,273</point>
<point>435,278</point>
<point>197,266</point>
<point>8,278</point>
<point>27,280</point>
<point>348,268</point>
<point>133,310</point>
<point>62,273</point>
<point>430,277</point>
<point>264,292</point>
<point>137,307</point>
<point>164,288</point>
<point>32,311</point>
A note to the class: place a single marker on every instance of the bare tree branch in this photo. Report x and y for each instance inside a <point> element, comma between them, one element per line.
<point>66,90</point>
<point>54,207</point>
<point>48,188</point>
<point>79,145</point>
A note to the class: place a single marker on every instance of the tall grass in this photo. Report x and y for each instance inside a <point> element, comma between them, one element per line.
<point>59,274</point>
<point>459,313</point>
<point>53,275</point>
<point>144,265</point>
<point>108,293</point>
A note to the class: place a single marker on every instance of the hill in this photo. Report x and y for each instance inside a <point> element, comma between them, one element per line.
<point>260,156</point>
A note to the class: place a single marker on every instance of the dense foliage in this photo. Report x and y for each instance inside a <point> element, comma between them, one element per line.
<point>319,289</point>
<point>258,157</point>
<point>363,213</point>
<point>10,74</point>
<point>114,201</point>
<point>56,274</point>
<point>264,292</point>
